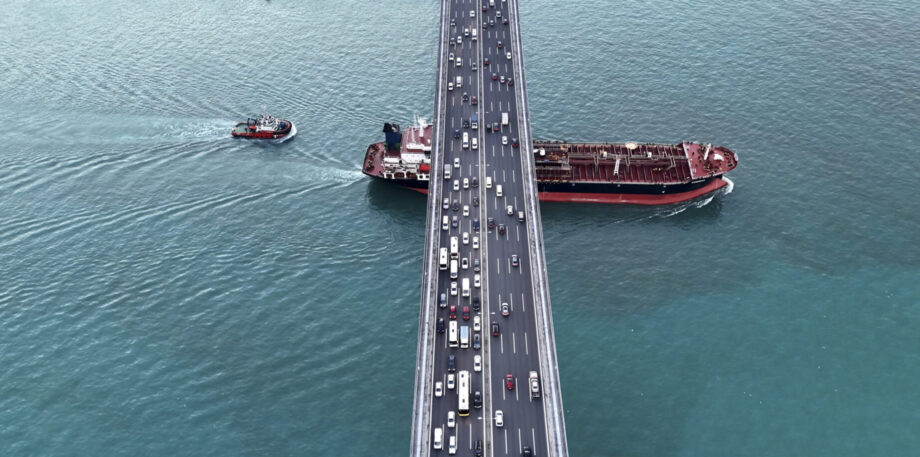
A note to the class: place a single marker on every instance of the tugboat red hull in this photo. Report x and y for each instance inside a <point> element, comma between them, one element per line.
<point>252,131</point>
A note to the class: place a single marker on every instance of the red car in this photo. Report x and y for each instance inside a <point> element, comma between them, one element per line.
<point>509,381</point>
<point>494,76</point>
<point>485,62</point>
<point>495,329</point>
<point>453,311</point>
<point>499,44</point>
<point>466,313</point>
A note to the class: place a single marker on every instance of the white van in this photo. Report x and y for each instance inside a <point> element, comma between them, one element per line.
<point>464,337</point>
<point>447,173</point>
<point>475,144</point>
<point>442,259</point>
<point>438,438</point>
<point>459,83</point>
<point>453,269</point>
<point>474,34</point>
<point>498,190</point>
<point>445,223</point>
<point>466,287</point>
<point>452,334</point>
<point>466,140</point>
<point>454,248</point>
<point>488,183</point>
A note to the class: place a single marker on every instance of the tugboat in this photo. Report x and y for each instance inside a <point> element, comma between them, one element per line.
<point>265,127</point>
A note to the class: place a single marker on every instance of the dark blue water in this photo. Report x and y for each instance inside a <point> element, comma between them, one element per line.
<point>166,290</point>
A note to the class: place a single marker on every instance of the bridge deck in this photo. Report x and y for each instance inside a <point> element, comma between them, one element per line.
<point>525,342</point>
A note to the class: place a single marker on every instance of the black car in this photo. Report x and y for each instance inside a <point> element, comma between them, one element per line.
<point>526,452</point>
<point>477,451</point>
<point>476,343</point>
<point>475,199</point>
<point>495,329</point>
<point>451,363</point>
<point>456,206</point>
<point>466,123</point>
<point>474,182</point>
<point>466,97</point>
<point>457,133</point>
<point>440,325</point>
<point>501,229</point>
<point>476,224</point>
<point>490,223</point>
<point>475,303</point>
<point>477,399</point>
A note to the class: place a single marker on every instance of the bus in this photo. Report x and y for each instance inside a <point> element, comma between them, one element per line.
<point>463,393</point>
<point>452,334</point>
<point>442,261</point>
<point>454,248</point>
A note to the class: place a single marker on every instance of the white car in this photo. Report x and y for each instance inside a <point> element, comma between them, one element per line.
<point>453,288</point>
<point>466,210</point>
<point>504,140</point>
<point>450,86</point>
<point>477,323</point>
<point>457,162</point>
<point>472,13</point>
<point>452,446</point>
<point>450,56</point>
<point>459,39</point>
<point>508,55</point>
<point>450,381</point>
<point>464,263</point>
<point>466,32</point>
<point>438,389</point>
<point>475,242</point>
<point>446,203</point>
<point>456,184</point>
<point>445,223</point>
<point>466,182</point>
<point>476,282</point>
<point>451,420</point>
<point>499,418</point>
<point>510,210</point>
<point>466,237</point>
<point>477,362</point>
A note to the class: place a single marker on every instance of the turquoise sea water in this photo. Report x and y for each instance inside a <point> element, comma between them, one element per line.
<point>166,290</point>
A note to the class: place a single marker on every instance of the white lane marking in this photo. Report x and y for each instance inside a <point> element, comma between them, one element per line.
<point>506,440</point>
<point>517,389</point>
<point>523,308</point>
<point>533,437</point>
<point>526,346</point>
<point>513,343</point>
<point>501,342</point>
<point>520,444</point>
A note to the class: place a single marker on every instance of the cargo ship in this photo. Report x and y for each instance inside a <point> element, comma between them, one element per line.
<point>617,173</point>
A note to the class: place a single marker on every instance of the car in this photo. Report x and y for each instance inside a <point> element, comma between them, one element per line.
<point>450,86</point>
<point>505,21</point>
<point>495,127</point>
<point>440,325</point>
<point>453,289</point>
<point>514,142</point>
<point>454,222</point>
<point>464,263</point>
<point>506,310</point>
<point>477,399</point>
<point>466,31</point>
<point>444,223</point>
<point>494,76</point>
<point>477,281</point>
<point>510,210</point>
<point>526,452</point>
<point>452,311</point>
<point>477,324</point>
<point>466,210</point>
<point>485,62</point>
<point>450,56</point>
<point>476,224</point>
<point>514,260</point>
<point>534,381</point>
<point>451,363</point>
<point>466,237</point>
<point>475,303</point>
<point>477,362</point>
<point>521,216</point>
<point>457,133</point>
<point>456,184</point>
<point>475,67</point>
<point>476,246</point>
<point>456,162</point>
<point>465,96</point>
<point>477,450</point>
<point>455,206</point>
<point>475,197</point>
<point>490,223</point>
<point>485,8</point>
<point>504,140</point>
<point>466,123</point>
<point>459,39</point>
<point>474,101</point>
<point>453,23</point>
<point>475,183</point>
<point>499,418</point>
<point>498,13</point>
<point>499,44</point>
<point>485,25</point>
<point>451,383</point>
<point>452,445</point>
<point>509,381</point>
<point>508,55</point>
<point>491,22</point>
<point>466,183</point>
<point>477,342</point>
<point>438,389</point>
<point>496,330</point>
<point>501,229</point>
<point>472,13</point>
<point>502,79</point>
<point>466,313</point>
<point>443,300</point>
<point>446,203</point>
<point>510,81</point>
<point>451,419</point>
